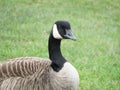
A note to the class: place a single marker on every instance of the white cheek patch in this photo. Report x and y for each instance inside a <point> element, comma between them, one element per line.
<point>56,33</point>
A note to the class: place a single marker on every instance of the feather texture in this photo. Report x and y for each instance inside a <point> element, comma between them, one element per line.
<point>32,74</point>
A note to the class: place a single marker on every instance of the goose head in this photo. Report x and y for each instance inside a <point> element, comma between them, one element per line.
<point>62,30</point>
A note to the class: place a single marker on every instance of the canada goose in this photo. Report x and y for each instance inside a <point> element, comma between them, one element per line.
<point>32,73</point>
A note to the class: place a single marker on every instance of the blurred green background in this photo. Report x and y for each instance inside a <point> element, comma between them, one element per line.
<point>25,26</point>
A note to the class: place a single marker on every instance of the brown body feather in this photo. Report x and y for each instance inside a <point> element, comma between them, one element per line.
<point>31,74</point>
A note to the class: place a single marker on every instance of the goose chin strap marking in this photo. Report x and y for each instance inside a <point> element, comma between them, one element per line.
<point>56,33</point>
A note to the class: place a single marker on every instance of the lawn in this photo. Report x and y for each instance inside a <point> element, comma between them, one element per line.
<point>25,26</point>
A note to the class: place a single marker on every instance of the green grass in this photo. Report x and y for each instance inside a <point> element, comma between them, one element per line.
<point>25,26</point>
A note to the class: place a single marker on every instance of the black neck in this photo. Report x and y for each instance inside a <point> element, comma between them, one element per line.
<point>55,53</point>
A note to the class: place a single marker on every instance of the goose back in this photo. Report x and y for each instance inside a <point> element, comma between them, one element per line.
<point>34,74</point>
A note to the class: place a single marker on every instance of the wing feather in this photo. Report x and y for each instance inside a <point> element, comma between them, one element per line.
<point>22,67</point>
